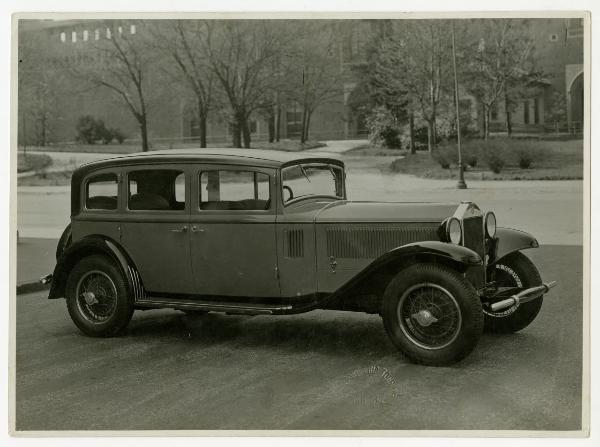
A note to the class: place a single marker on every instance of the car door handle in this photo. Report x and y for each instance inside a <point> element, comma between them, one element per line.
<point>180,230</point>
<point>196,229</point>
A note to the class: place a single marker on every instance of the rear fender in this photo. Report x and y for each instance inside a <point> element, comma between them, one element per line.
<point>94,245</point>
<point>510,240</point>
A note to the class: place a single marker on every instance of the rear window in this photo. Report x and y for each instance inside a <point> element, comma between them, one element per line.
<point>101,192</point>
<point>234,190</point>
<point>156,190</point>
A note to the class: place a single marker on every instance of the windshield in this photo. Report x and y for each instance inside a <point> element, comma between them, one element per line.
<point>302,181</point>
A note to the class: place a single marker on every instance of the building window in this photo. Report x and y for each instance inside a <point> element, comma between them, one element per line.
<point>97,34</point>
<point>85,35</point>
<point>536,111</point>
<point>63,37</point>
<point>108,33</point>
<point>526,112</point>
<point>574,28</point>
<point>74,36</point>
<point>120,30</point>
<point>132,29</point>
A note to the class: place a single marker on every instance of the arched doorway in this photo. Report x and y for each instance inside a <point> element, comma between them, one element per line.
<point>576,104</point>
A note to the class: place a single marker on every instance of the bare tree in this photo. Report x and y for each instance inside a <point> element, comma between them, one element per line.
<point>413,63</point>
<point>498,65</point>
<point>40,84</point>
<point>120,62</point>
<point>182,41</point>
<point>315,74</point>
<point>240,53</point>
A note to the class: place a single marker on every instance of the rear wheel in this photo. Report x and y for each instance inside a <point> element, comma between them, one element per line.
<point>432,314</point>
<point>514,270</point>
<point>98,298</point>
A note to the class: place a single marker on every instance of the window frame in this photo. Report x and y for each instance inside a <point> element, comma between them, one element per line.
<point>197,184</point>
<point>126,189</point>
<point>312,196</point>
<point>85,191</point>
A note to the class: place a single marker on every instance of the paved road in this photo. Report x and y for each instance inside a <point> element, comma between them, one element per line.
<point>321,370</point>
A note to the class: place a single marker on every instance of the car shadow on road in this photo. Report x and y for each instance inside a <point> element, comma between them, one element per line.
<point>340,334</point>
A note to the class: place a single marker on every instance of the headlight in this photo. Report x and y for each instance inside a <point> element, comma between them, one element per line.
<point>454,230</point>
<point>490,224</point>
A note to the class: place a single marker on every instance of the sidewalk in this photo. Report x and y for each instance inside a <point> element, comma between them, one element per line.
<point>35,258</point>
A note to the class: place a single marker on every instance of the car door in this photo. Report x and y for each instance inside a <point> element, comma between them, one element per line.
<point>155,227</point>
<point>233,241</point>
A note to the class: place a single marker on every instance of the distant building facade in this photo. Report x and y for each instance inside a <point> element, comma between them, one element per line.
<point>558,47</point>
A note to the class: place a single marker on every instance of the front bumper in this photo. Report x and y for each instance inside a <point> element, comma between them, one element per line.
<point>523,296</point>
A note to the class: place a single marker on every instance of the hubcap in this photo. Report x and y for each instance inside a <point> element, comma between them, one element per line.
<point>429,316</point>
<point>96,296</point>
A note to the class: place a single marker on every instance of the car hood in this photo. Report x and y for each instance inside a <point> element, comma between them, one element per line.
<point>344,211</point>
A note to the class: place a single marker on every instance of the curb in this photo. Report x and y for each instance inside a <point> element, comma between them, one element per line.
<point>30,287</point>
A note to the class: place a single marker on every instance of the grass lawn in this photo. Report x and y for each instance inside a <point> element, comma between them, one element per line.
<point>32,162</point>
<point>554,160</point>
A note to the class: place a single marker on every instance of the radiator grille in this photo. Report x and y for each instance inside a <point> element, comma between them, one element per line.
<point>473,235</point>
<point>373,242</point>
<point>294,241</point>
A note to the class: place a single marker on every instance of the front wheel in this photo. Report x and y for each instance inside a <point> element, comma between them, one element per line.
<point>514,270</point>
<point>432,314</point>
<point>97,297</point>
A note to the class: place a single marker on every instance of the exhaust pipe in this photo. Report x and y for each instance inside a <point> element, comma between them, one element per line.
<point>523,296</point>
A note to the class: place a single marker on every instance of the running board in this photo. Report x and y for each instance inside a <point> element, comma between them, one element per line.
<point>232,308</point>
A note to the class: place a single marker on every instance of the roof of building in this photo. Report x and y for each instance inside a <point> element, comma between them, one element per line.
<point>248,157</point>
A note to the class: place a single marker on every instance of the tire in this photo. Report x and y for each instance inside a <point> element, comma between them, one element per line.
<point>113,308</point>
<point>407,317</point>
<point>64,242</point>
<point>511,271</point>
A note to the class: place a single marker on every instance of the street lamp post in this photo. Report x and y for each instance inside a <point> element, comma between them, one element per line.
<point>461,174</point>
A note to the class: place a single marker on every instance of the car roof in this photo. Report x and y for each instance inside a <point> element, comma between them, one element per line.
<point>247,157</point>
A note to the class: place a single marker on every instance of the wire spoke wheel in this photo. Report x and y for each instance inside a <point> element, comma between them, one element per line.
<point>429,316</point>
<point>96,296</point>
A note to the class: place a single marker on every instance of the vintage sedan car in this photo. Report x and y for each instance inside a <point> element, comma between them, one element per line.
<point>271,233</point>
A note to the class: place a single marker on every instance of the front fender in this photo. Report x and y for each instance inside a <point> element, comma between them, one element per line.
<point>510,240</point>
<point>87,246</point>
<point>459,257</point>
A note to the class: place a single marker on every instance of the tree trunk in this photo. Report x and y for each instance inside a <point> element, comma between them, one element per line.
<point>245,131</point>
<point>202,126</point>
<point>144,130</point>
<point>487,123</point>
<point>44,135</point>
<point>411,133</point>
<point>303,130</point>
<point>430,136</point>
<point>236,134</point>
<point>278,123</point>
<point>508,114</point>
<point>307,128</point>
<point>271,127</point>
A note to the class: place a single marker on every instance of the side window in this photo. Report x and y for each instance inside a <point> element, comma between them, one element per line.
<point>234,190</point>
<point>101,192</point>
<point>156,190</point>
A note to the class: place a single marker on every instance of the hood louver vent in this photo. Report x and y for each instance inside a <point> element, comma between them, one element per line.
<point>294,243</point>
<point>369,243</point>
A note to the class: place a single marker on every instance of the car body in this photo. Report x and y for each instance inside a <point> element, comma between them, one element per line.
<point>268,232</point>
